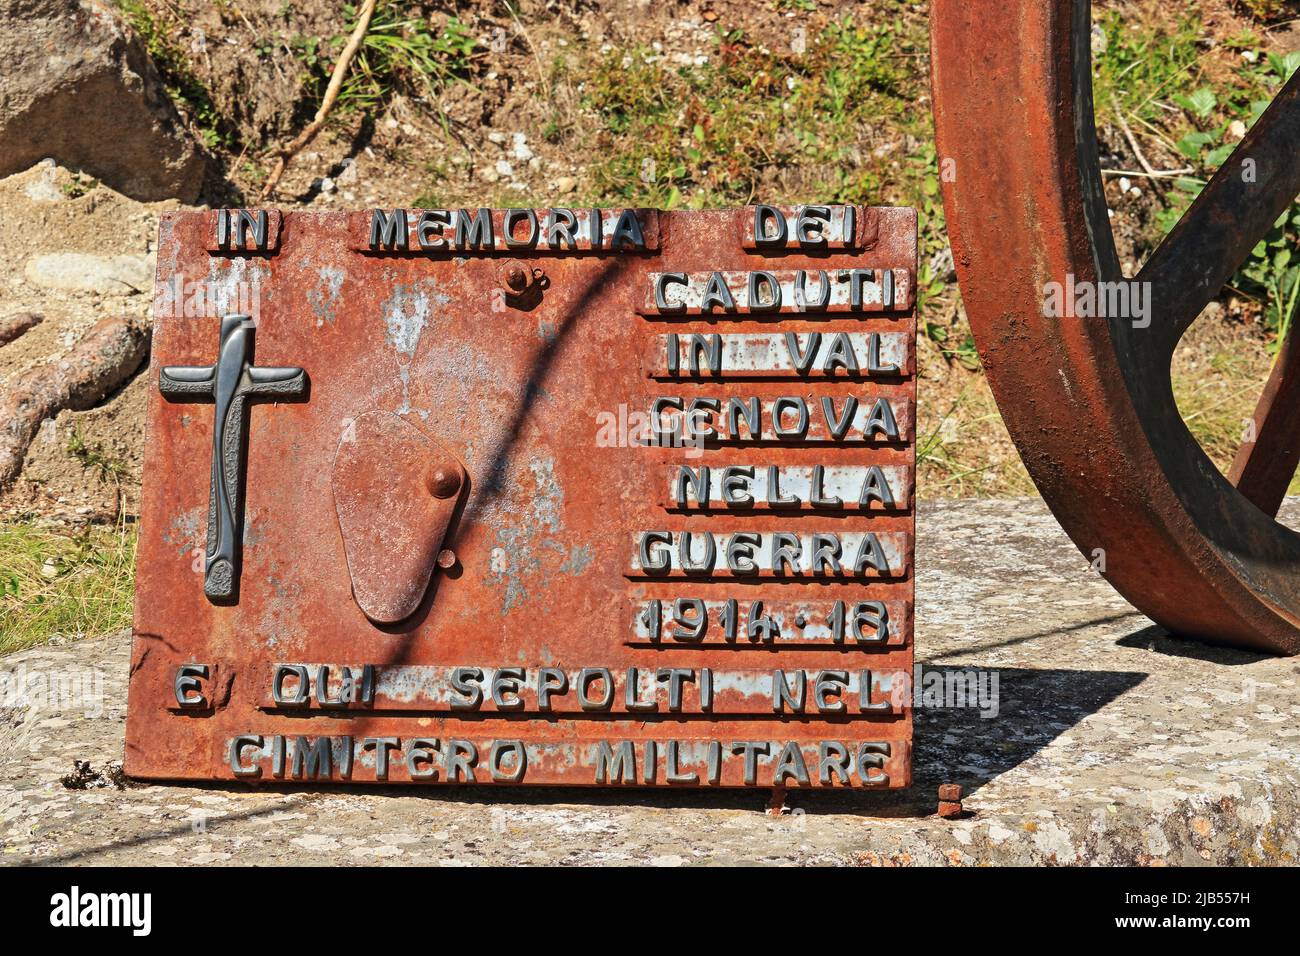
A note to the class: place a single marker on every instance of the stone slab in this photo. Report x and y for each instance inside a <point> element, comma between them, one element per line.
<point>1114,744</point>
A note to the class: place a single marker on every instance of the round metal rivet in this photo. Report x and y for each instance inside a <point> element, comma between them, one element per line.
<point>444,482</point>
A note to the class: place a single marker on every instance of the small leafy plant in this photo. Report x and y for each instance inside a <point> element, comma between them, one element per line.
<point>79,185</point>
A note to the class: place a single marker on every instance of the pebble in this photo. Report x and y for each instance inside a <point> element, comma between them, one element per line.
<point>521,150</point>
<point>43,188</point>
<point>207,859</point>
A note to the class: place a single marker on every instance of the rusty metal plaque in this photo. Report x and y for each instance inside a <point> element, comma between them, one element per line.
<point>529,496</point>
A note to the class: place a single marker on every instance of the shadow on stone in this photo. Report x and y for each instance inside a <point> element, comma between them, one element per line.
<point>1034,708</point>
<point>953,744</point>
<point>1160,641</point>
<point>1059,631</point>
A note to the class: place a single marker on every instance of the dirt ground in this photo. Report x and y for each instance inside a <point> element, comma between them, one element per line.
<point>74,258</point>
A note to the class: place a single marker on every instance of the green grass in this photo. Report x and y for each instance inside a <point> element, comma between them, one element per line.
<point>1143,64</point>
<point>1215,402</point>
<point>68,584</point>
<point>710,135</point>
<point>706,135</point>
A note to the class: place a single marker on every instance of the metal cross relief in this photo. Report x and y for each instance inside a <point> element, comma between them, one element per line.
<point>230,383</point>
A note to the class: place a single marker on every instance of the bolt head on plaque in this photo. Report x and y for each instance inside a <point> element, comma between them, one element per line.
<point>515,277</point>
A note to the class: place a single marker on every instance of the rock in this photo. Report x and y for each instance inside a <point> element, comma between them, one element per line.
<point>81,88</point>
<point>14,325</point>
<point>942,266</point>
<point>44,186</point>
<point>520,149</point>
<point>1097,40</point>
<point>82,272</point>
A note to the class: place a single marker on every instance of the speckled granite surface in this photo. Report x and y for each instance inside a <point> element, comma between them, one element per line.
<point>1112,744</point>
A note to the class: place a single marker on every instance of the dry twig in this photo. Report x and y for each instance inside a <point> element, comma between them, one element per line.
<point>1132,141</point>
<point>287,153</point>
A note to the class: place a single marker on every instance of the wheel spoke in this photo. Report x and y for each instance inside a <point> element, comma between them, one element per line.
<point>1241,202</point>
<point>1267,459</point>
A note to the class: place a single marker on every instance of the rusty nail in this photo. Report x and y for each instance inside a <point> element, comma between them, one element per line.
<point>444,482</point>
<point>776,802</point>
<point>950,807</point>
<point>446,558</point>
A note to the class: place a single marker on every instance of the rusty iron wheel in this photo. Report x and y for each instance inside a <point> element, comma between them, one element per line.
<point>1089,401</point>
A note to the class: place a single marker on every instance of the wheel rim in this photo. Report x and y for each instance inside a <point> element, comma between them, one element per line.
<point>1089,402</point>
